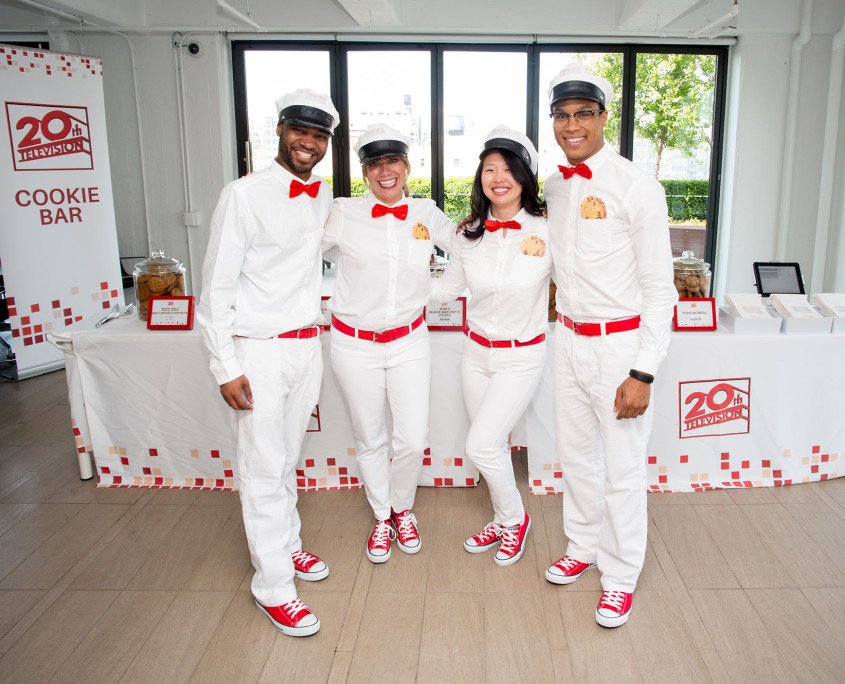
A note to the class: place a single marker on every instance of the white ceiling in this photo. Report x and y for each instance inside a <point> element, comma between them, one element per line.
<point>670,18</point>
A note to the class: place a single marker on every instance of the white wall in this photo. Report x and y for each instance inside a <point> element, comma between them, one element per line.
<point>751,180</point>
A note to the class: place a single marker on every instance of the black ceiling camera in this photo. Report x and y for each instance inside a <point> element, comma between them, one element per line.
<point>195,49</point>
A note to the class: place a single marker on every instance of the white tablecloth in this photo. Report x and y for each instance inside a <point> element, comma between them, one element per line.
<point>729,411</point>
<point>146,406</point>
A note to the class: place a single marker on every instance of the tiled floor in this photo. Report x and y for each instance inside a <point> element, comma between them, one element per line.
<point>153,585</point>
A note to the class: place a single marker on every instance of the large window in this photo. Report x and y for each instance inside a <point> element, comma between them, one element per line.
<point>392,87</point>
<point>269,74</point>
<point>481,89</point>
<point>666,116</point>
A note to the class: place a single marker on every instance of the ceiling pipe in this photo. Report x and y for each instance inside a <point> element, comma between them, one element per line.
<point>717,23</point>
<point>237,14</point>
<point>791,133</point>
<point>51,10</point>
<point>828,169</point>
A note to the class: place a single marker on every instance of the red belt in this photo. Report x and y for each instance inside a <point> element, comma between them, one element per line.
<point>380,337</point>
<point>592,329</point>
<point>302,334</point>
<point>500,344</point>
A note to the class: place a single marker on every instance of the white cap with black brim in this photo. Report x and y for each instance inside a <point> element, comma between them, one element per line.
<point>504,137</point>
<point>305,107</point>
<point>576,82</point>
<point>381,140</point>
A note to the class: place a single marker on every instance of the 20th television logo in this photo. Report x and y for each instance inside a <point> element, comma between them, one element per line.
<point>715,407</point>
<point>49,137</point>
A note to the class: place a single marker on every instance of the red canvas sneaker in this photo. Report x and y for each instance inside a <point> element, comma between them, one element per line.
<point>513,543</point>
<point>407,535</point>
<point>308,567</point>
<point>490,537</point>
<point>292,618</point>
<point>378,545</point>
<point>614,608</point>
<point>566,570</point>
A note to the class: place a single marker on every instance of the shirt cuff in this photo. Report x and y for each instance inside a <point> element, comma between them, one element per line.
<point>226,371</point>
<point>647,362</point>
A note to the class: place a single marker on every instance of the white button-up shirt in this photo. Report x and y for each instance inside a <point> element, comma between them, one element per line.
<point>507,277</point>
<point>383,263</point>
<point>612,256</point>
<point>262,271</point>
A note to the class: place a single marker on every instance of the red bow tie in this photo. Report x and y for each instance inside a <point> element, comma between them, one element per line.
<point>493,226</point>
<point>581,170</point>
<point>297,188</point>
<point>400,212</point>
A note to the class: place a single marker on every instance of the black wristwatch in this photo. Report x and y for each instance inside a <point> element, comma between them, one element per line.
<point>642,377</point>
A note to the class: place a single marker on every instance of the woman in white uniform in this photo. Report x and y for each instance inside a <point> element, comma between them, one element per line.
<point>503,258</point>
<point>380,350</point>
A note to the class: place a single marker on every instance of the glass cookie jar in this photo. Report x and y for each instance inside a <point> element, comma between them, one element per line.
<point>158,276</point>
<point>692,276</point>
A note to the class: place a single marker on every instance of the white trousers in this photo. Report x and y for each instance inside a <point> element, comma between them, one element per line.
<point>285,379</point>
<point>371,377</point>
<point>498,385</point>
<point>603,459</point>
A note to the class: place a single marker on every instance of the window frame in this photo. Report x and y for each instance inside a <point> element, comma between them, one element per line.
<point>339,50</point>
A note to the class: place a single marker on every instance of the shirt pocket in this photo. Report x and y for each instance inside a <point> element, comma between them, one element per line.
<point>528,268</point>
<point>600,236</point>
<point>419,254</point>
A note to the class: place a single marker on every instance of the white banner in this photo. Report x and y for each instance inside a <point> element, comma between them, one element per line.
<point>58,241</point>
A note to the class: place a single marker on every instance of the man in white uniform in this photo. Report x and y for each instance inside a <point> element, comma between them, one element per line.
<point>260,317</point>
<point>613,270</point>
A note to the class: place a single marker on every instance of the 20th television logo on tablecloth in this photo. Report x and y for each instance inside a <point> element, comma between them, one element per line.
<point>49,137</point>
<point>715,407</point>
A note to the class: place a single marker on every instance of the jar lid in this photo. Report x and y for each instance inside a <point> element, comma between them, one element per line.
<point>688,262</point>
<point>158,262</point>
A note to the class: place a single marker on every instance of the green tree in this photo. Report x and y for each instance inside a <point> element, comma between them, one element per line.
<point>673,100</point>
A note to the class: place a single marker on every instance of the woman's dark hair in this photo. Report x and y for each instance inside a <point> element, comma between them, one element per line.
<point>480,205</point>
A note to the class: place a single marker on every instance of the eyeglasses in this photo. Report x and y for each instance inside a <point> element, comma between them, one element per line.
<point>583,115</point>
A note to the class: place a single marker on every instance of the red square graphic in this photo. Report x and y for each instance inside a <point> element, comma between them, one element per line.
<point>685,458</point>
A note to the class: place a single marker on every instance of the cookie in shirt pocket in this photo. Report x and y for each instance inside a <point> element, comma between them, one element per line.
<point>529,263</point>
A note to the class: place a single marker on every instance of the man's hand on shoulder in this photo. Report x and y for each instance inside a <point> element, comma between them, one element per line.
<point>237,393</point>
<point>632,398</point>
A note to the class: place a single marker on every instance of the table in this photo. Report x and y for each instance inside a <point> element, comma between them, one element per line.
<point>729,411</point>
<point>145,405</point>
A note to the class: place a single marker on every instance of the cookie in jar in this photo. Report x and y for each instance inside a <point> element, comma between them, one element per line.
<point>158,276</point>
<point>692,276</point>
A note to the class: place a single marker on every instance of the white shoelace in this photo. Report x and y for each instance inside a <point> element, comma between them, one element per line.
<point>567,563</point>
<point>303,557</point>
<point>292,607</point>
<point>382,534</point>
<point>408,525</point>
<point>510,539</point>
<point>613,599</point>
<point>492,530</point>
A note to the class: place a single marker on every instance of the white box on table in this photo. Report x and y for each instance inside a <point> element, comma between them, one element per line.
<point>748,326</point>
<point>805,326</point>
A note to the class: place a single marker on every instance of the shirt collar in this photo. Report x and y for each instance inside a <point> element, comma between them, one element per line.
<point>374,200</point>
<point>520,217</point>
<point>598,158</point>
<point>286,176</point>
